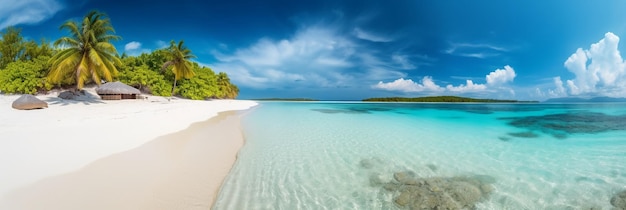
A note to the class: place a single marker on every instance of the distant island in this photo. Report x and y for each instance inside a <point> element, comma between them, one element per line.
<point>585,100</point>
<point>446,99</point>
<point>285,99</point>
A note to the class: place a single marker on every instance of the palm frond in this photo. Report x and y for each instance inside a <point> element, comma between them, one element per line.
<point>90,55</point>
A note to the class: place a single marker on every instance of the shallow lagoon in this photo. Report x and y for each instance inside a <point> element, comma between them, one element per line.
<point>348,155</point>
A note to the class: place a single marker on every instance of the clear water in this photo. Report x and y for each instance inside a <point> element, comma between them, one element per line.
<point>310,155</point>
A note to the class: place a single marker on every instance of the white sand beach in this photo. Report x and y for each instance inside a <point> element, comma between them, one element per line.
<point>83,150</point>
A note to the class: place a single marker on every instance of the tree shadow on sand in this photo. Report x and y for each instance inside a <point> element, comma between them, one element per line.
<point>85,98</point>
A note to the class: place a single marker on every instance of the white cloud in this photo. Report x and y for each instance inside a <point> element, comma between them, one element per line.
<point>132,46</point>
<point>559,91</point>
<point>313,57</point>
<point>26,11</point>
<point>496,82</point>
<point>304,58</point>
<point>408,85</point>
<point>501,76</point>
<point>359,33</point>
<point>469,86</point>
<point>318,43</point>
<point>598,70</point>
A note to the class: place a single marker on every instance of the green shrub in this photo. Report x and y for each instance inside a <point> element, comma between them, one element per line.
<point>146,80</point>
<point>200,87</point>
<point>26,77</point>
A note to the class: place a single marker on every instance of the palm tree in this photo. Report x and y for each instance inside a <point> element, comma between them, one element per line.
<point>87,53</point>
<point>11,46</point>
<point>226,89</point>
<point>178,57</point>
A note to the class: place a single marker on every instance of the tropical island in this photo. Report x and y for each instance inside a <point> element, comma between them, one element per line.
<point>444,99</point>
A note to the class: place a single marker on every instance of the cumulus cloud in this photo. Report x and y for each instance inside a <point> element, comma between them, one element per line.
<point>408,85</point>
<point>26,11</point>
<point>559,91</point>
<point>496,81</point>
<point>469,86</point>
<point>501,76</point>
<point>598,70</point>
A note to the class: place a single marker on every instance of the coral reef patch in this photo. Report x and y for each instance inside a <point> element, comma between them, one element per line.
<point>562,125</point>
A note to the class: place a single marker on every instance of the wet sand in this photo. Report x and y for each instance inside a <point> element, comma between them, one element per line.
<point>183,170</point>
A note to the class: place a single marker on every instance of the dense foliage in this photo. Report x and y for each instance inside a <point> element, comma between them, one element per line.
<point>145,73</point>
<point>201,86</point>
<point>30,67</point>
<point>146,80</point>
<point>14,48</point>
<point>446,99</point>
<point>25,76</point>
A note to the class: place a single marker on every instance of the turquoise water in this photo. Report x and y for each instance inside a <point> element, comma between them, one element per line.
<point>346,155</point>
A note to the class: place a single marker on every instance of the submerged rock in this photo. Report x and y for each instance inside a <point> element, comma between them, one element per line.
<point>439,192</point>
<point>619,200</point>
<point>405,177</point>
<point>27,102</point>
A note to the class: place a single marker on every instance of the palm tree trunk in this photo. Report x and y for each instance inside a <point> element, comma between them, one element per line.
<point>173,87</point>
<point>165,65</point>
<point>77,80</point>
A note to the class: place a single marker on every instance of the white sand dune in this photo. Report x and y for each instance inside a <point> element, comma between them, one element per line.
<point>69,135</point>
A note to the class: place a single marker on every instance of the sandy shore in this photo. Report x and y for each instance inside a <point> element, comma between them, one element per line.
<point>97,154</point>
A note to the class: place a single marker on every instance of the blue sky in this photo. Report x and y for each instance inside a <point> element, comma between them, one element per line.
<point>330,49</point>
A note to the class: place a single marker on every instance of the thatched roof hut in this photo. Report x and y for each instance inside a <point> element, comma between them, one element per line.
<point>117,91</point>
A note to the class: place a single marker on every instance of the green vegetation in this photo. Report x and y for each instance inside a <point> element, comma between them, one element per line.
<point>87,56</point>
<point>25,76</point>
<point>146,80</point>
<point>445,99</point>
<point>13,48</point>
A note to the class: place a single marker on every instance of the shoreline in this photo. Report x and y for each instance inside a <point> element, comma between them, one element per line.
<point>69,136</point>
